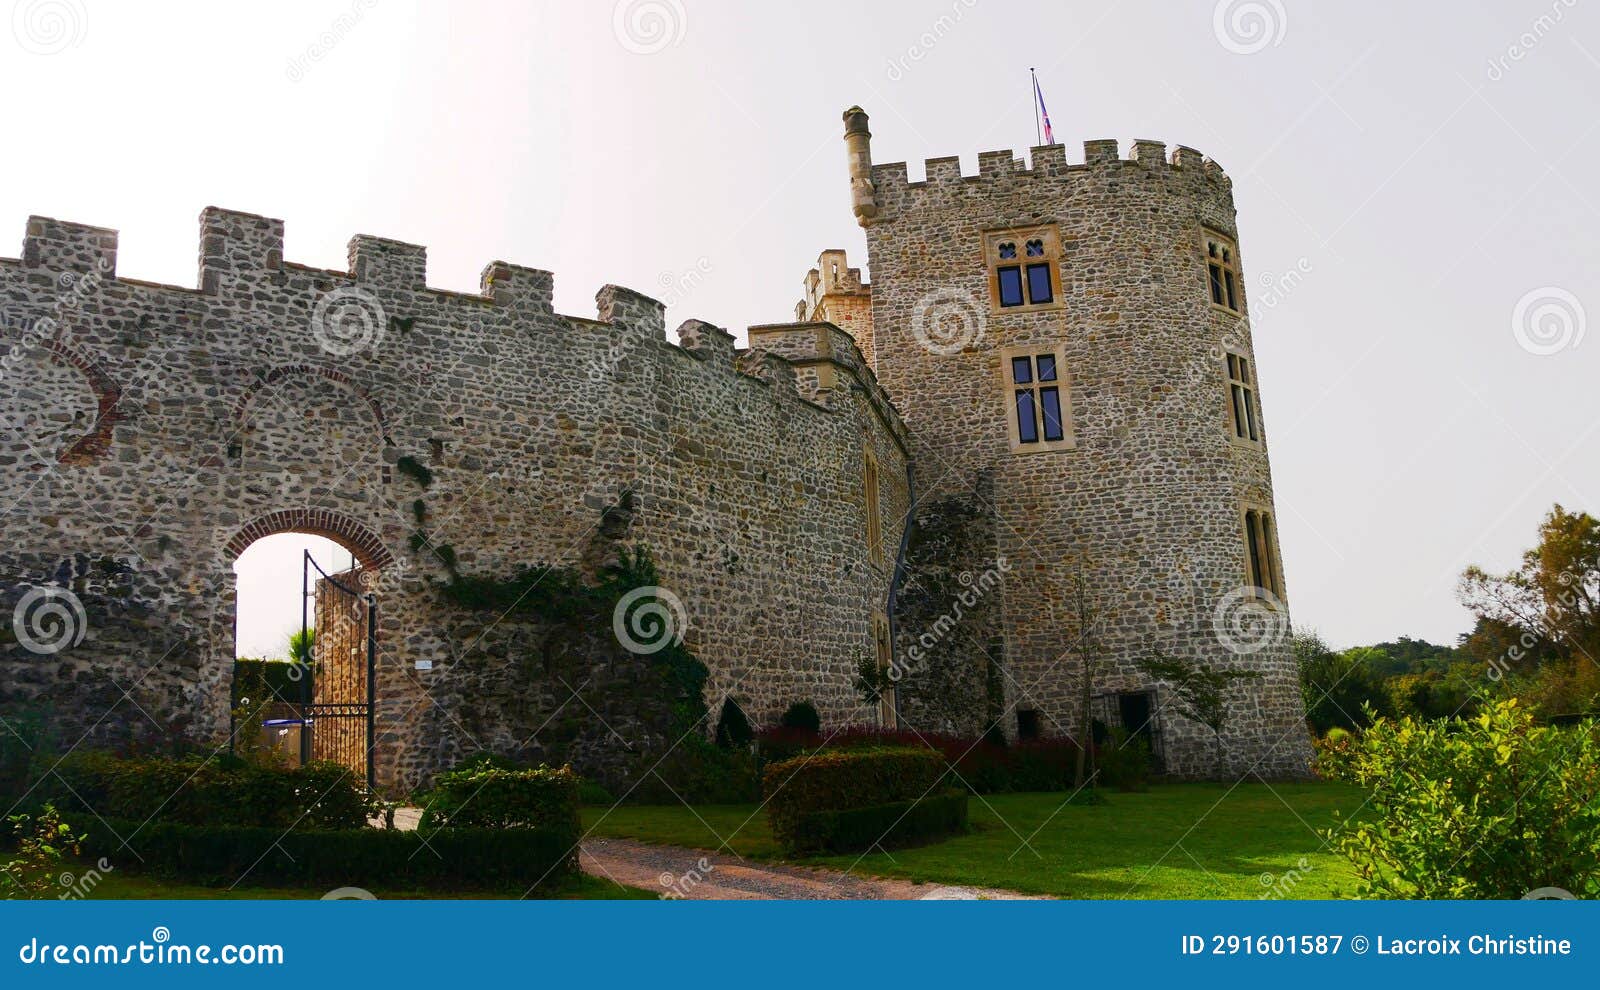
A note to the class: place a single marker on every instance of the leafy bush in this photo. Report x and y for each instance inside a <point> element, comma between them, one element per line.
<point>25,732</point>
<point>453,859</point>
<point>981,765</point>
<point>885,826</point>
<point>41,841</point>
<point>1124,762</point>
<point>221,791</point>
<point>592,795</point>
<point>839,780</point>
<point>699,772</point>
<point>801,715</point>
<point>733,728</point>
<point>1491,807</point>
<point>482,795</point>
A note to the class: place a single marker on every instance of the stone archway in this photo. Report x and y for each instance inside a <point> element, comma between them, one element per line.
<point>336,526</point>
<point>338,709</point>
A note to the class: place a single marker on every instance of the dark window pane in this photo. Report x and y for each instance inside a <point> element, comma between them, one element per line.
<point>1050,405</point>
<point>1036,249</point>
<point>1047,367</point>
<point>1252,539</point>
<point>1021,371</point>
<point>1211,248</point>
<point>1039,290</point>
<point>1239,428</point>
<point>1216,285</point>
<point>1250,414</point>
<point>1244,370</point>
<point>1027,423</point>
<point>1228,277</point>
<point>1008,250</point>
<point>1233,367</point>
<point>1011,286</point>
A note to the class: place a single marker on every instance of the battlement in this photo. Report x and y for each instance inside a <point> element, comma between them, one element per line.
<point>241,264</point>
<point>879,191</point>
<point>1048,161</point>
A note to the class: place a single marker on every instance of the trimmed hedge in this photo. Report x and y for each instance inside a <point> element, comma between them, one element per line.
<point>467,858</point>
<point>887,826</point>
<point>218,791</point>
<point>981,765</point>
<point>483,795</point>
<point>842,780</point>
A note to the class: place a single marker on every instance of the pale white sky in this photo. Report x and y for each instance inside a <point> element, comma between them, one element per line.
<point>1423,166</point>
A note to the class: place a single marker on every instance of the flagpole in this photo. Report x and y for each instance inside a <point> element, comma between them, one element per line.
<point>1033,98</point>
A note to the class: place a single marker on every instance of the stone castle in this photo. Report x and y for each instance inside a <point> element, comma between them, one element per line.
<point>1028,455</point>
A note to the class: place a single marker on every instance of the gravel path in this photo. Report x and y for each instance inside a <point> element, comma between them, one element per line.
<point>695,874</point>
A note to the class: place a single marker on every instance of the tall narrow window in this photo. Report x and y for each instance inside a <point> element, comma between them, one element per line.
<point>869,483</point>
<point>883,655</point>
<point>1242,399</point>
<point>1038,411</point>
<point>1024,268</point>
<point>1222,271</point>
<point>1261,546</point>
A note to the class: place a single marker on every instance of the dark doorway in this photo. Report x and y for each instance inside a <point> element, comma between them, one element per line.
<point>1027,725</point>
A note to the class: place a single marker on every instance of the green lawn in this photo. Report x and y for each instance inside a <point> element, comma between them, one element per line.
<point>128,887</point>
<point>1176,841</point>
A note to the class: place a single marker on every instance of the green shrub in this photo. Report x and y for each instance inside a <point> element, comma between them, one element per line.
<point>884,826</point>
<point>802,715</point>
<point>1491,807</point>
<point>592,795</point>
<point>1124,762</point>
<point>840,780</point>
<point>452,859</point>
<point>219,791</point>
<point>480,795</point>
<point>25,733</point>
<point>733,729</point>
<point>699,772</point>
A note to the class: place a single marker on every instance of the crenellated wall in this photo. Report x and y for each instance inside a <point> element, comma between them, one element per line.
<point>151,432</point>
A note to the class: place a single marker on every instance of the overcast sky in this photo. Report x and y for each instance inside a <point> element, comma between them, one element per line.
<point>1425,169</point>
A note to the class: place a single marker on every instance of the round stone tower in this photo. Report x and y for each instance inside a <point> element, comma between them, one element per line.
<point>1070,346</point>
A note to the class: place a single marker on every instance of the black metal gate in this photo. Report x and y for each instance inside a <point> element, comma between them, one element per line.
<point>339,722</point>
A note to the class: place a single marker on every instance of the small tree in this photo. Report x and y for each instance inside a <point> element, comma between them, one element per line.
<point>30,874</point>
<point>1083,767</point>
<point>1200,691</point>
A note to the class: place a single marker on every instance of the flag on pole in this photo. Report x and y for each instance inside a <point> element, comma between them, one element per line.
<point>1049,137</point>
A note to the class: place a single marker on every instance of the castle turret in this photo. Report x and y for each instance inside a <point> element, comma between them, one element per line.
<point>858,146</point>
<point>1070,347</point>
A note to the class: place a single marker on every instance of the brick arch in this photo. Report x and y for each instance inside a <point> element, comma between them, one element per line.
<point>277,374</point>
<point>336,526</point>
<point>107,394</point>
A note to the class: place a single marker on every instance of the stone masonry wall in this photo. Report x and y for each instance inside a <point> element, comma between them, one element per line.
<point>151,432</point>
